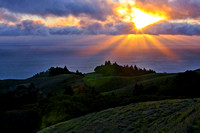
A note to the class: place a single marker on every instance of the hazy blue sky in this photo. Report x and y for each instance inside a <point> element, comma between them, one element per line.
<point>21,57</point>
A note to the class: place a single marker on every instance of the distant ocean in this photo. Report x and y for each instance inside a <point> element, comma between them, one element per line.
<point>22,57</point>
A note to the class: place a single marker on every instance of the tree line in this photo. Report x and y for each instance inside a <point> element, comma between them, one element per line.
<point>114,69</point>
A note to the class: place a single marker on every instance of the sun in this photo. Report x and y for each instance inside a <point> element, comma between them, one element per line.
<point>140,18</point>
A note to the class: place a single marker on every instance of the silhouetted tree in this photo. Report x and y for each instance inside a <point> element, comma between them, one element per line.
<point>79,73</point>
<point>58,70</point>
<point>107,63</point>
<point>115,69</point>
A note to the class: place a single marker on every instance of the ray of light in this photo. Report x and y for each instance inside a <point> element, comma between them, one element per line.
<point>139,45</point>
<point>103,45</point>
<point>122,49</point>
<point>162,48</point>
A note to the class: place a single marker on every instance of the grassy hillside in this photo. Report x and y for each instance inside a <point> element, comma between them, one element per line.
<point>101,83</point>
<point>115,83</point>
<point>159,116</point>
<point>54,84</point>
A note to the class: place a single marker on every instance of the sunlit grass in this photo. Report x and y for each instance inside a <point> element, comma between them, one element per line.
<point>159,116</point>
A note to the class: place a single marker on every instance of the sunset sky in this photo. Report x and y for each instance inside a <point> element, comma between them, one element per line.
<point>43,33</point>
<point>113,17</point>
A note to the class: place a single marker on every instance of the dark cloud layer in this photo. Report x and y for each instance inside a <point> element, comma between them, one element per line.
<point>29,27</point>
<point>25,28</point>
<point>173,28</point>
<point>97,9</point>
<point>65,31</point>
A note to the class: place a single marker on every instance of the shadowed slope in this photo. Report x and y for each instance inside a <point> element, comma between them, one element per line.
<point>160,116</point>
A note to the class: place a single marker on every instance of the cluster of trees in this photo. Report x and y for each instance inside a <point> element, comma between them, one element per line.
<point>114,69</point>
<point>185,84</point>
<point>58,70</point>
<point>53,71</point>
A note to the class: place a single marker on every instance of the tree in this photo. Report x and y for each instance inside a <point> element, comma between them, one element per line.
<point>65,70</point>
<point>107,63</point>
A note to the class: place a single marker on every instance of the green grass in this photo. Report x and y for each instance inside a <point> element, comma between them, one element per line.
<point>106,85</point>
<point>100,83</point>
<point>112,83</point>
<point>159,116</point>
<point>146,82</point>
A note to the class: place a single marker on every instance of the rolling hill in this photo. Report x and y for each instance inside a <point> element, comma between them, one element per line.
<point>46,83</point>
<point>158,116</point>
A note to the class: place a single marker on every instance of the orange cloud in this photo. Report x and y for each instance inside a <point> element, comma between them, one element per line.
<point>63,22</point>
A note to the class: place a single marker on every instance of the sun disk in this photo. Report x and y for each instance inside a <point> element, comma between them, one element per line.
<point>142,19</point>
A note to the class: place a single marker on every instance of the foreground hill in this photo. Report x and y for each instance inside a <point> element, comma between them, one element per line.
<point>159,116</point>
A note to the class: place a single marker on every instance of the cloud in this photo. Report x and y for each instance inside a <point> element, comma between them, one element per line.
<point>7,16</point>
<point>65,31</point>
<point>173,28</point>
<point>97,28</point>
<point>94,28</point>
<point>175,9</point>
<point>97,9</point>
<point>37,28</point>
<point>25,28</point>
<point>185,8</point>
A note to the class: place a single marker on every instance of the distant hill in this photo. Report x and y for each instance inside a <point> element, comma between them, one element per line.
<point>46,83</point>
<point>53,80</point>
<point>180,116</point>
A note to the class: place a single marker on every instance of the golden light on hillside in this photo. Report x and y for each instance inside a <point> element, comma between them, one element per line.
<point>140,18</point>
